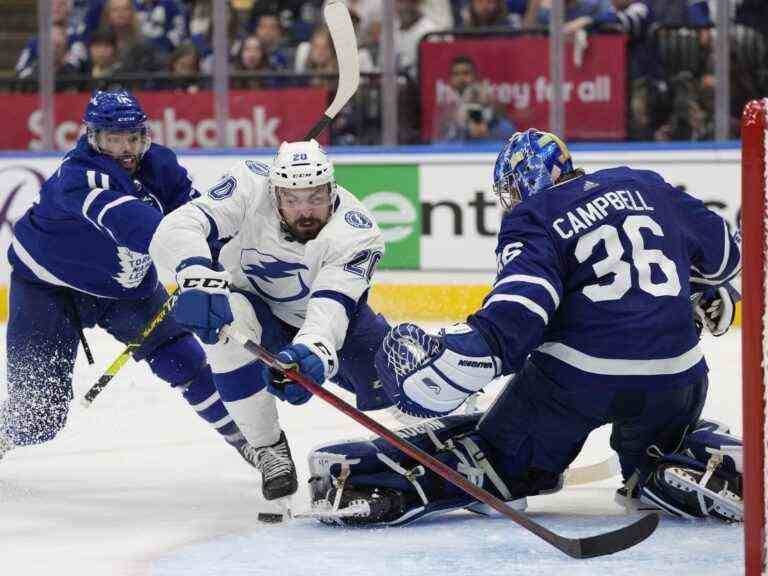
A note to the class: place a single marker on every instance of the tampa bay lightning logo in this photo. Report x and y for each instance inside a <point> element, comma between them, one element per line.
<point>358,219</point>
<point>272,278</point>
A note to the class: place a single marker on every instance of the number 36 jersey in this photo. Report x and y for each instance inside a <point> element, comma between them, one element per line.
<point>595,279</point>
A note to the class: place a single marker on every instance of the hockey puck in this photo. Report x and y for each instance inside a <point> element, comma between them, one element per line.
<point>269,518</point>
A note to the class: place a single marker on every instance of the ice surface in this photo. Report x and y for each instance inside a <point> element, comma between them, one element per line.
<point>138,485</point>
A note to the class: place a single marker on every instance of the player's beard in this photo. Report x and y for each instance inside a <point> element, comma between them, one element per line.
<point>305,229</point>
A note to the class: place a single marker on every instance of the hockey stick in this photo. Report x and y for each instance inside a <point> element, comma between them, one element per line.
<point>588,547</point>
<point>345,43</point>
<point>113,369</point>
<point>578,475</point>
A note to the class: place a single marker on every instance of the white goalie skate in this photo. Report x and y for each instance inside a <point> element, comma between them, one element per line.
<point>715,496</point>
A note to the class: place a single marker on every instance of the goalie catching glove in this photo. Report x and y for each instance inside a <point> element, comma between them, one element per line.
<point>203,304</point>
<point>427,375</point>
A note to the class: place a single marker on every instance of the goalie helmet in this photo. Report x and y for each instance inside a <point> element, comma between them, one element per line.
<point>117,111</point>
<point>530,162</point>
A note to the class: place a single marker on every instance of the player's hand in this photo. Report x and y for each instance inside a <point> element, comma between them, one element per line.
<point>716,307</point>
<point>428,376</point>
<point>203,304</point>
<point>300,358</point>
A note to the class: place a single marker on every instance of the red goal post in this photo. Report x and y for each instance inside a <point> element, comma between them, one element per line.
<point>754,188</point>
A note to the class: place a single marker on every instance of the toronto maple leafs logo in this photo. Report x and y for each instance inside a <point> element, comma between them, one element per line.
<point>272,278</point>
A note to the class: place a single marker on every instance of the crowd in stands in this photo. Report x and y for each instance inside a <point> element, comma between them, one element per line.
<point>274,43</point>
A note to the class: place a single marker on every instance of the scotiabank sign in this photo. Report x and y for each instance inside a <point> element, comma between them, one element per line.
<point>179,120</point>
<point>515,71</point>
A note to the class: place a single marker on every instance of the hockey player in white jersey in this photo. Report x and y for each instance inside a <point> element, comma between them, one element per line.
<point>294,277</point>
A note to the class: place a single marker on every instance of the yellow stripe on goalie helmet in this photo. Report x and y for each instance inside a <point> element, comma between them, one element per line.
<point>547,137</point>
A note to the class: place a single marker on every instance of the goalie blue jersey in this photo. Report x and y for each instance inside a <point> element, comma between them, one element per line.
<point>595,278</point>
<point>93,223</point>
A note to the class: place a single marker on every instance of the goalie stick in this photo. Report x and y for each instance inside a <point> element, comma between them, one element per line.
<point>579,475</point>
<point>588,547</point>
<point>344,40</point>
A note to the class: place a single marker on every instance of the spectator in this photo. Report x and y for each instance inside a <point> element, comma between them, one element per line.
<point>184,68</point>
<point>410,27</point>
<point>162,23</point>
<point>297,18</point>
<point>537,12</point>
<point>103,55</point>
<point>317,55</point>
<point>269,31</point>
<point>319,46</point>
<point>367,13</point>
<point>486,14</point>
<point>86,14</point>
<point>201,33</point>
<point>135,54</point>
<point>440,12</point>
<point>466,111</point>
<point>646,78</point>
<point>252,59</point>
<point>75,53</point>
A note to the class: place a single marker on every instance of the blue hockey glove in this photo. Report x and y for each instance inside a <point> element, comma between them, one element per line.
<point>307,363</point>
<point>203,305</point>
<point>716,307</point>
<point>428,376</point>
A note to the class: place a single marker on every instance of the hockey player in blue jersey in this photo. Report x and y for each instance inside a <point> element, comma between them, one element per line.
<point>80,258</point>
<point>591,311</point>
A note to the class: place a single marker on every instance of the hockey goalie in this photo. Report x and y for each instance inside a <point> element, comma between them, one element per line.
<point>600,278</point>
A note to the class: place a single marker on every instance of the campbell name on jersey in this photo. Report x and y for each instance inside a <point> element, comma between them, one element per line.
<point>315,286</point>
<point>91,228</point>
<point>595,276</point>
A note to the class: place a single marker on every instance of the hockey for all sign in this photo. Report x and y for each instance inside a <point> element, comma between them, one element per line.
<point>513,74</point>
<point>257,118</point>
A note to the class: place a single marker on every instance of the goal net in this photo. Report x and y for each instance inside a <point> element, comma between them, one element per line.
<point>754,227</point>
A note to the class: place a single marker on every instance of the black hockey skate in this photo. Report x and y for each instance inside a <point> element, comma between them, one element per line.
<point>278,473</point>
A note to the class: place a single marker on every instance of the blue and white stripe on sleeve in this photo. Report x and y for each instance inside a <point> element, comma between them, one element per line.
<point>720,266</point>
<point>537,294</point>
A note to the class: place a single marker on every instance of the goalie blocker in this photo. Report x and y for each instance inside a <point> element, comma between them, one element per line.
<point>369,482</point>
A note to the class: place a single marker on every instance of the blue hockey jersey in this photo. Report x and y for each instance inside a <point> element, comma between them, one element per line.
<point>92,226</point>
<point>595,278</point>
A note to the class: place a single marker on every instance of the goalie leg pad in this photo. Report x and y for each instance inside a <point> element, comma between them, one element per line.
<point>712,438</point>
<point>370,482</point>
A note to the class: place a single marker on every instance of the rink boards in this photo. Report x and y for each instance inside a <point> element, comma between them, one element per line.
<point>435,207</point>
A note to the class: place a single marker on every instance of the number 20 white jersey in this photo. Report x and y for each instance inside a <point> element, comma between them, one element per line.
<point>314,286</point>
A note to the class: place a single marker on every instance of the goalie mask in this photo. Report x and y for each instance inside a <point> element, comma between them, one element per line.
<point>117,126</point>
<point>530,162</point>
<point>302,188</point>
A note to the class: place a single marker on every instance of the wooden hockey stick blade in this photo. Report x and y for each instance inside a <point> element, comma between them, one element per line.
<point>120,361</point>
<point>589,547</point>
<point>344,40</point>
<point>608,468</point>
